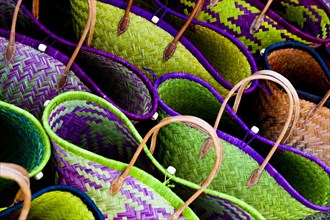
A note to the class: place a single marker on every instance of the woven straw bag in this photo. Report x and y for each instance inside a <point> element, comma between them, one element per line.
<point>307,72</point>
<point>88,168</point>
<point>112,77</point>
<point>305,21</point>
<point>54,202</point>
<point>294,184</point>
<point>144,47</point>
<point>29,76</point>
<point>23,141</point>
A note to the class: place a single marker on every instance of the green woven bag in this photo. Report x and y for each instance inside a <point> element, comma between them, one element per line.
<point>292,186</point>
<point>220,59</point>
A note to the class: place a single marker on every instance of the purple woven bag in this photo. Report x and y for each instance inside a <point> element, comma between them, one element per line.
<point>31,74</point>
<point>112,77</point>
<point>86,131</point>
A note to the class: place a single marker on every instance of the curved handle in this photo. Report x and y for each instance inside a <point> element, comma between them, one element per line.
<point>89,24</point>
<point>21,176</point>
<point>119,180</point>
<point>171,47</point>
<point>294,111</point>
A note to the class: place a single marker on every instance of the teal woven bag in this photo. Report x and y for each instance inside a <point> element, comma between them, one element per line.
<point>293,185</point>
<point>23,142</point>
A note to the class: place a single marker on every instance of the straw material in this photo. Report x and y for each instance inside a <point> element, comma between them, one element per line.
<point>274,196</point>
<point>23,141</point>
<point>312,137</point>
<point>143,47</point>
<point>112,78</point>
<point>86,166</point>
<point>124,84</point>
<point>31,78</point>
<point>301,68</point>
<point>305,21</point>
<point>57,202</point>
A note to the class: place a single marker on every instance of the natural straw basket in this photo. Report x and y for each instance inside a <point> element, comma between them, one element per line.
<point>307,71</point>
<point>144,42</point>
<point>294,180</point>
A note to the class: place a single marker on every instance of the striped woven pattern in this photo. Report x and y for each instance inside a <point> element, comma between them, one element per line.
<point>144,47</point>
<point>56,203</point>
<point>23,141</point>
<point>126,88</point>
<point>312,137</point>
<point>142,196</point>
<point>309,20</point>
<point>268,196</point>
<point>31,78</point>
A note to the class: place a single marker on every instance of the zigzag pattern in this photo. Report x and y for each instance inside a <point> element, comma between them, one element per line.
<point>236,17</point>
<point>31,78</point>
<point>94,128</point>
<point>134,201</point>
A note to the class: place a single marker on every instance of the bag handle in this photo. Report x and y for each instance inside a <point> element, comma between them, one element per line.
<point>259,19</point>
<point>171,47</point>
<point>89,25</point>
<point>294,111</point>
<point>118,182</point>
<point>319,105</point>
<point>21,176</point>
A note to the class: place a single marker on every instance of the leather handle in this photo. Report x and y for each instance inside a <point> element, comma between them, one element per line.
<point>119,180</point>
<point>311,112</point>
<point>35,8</point>
<point>89,25</point>
<point>171,47</point>
<point>259,19</point>
<point>21,176</point>
<point>293,111</point>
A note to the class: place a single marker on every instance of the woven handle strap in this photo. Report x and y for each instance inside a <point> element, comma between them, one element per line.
<point>89,24</point>
<point>293,110</point>
<point>119,180</point>
<point>171,47</point>
<point>21,176</point>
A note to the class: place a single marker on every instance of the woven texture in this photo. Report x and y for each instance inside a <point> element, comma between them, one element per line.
<point>144,47</point>
<point>23,141</point>
<point>305,21</point>
<point>142,196</point>
<point>124,85</point>
<point>57,203</point>
<point>113,78</point>
<point>31,78</point>
<point>294,172</point>
<point>312,137</point>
